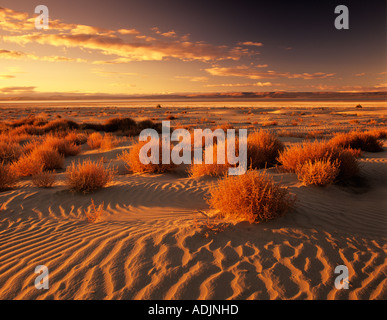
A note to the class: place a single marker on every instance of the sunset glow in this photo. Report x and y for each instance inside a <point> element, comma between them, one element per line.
<point>142,48</point>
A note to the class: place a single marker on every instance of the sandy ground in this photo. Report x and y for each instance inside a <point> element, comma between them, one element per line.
<point>152,242</point>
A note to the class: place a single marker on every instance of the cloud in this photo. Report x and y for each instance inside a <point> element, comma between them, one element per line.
<point>193,79</point>
<point>169,34</point>
<point>6,76</point>
<point>113,73</point>
<point>133,50</point>
<point>18,90</point>
<point>257,84</point>
<point>250,43</point>
<point>10,54</point>
<point>135,46</point>
<point>128,31</point>
<point>252,73</point>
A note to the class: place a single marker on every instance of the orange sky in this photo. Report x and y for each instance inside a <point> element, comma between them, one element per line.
<point>93,58</point>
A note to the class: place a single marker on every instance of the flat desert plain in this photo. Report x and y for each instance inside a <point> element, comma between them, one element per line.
<point>153,239</point>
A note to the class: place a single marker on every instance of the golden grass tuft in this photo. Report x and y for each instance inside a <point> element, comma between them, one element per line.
<point>263,149</point>
<point>214,169</point>
<point>320,172</point>
<point>109,142</point>
<point>8,176</point>
<point>94,213</point>
<point>297,155</point>
<point>88,176</point>
<point>76,138</point>
<point>252,197</point>
<point>44,179</point>
<point>9,151</point>
<point>39,159</point>
<point>95,140</point>
<point>132,161</point>
<point>357,140</point>
<point>63,146</point>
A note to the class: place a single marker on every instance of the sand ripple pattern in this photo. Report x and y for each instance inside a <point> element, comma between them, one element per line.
<point>148,247</point>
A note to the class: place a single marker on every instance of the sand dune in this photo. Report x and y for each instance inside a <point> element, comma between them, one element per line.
<point>152,242</point>
<point>149,245</point>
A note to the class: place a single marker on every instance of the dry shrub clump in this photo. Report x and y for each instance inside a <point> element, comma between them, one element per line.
<point>320,172</point>
<point>63,146</point>
<point>109,142</point>
<point>358,140</point>
<point>94,213</point>
<point>296,156</point>
<point>88,176</point>
<point>263,149</point>
<point>253,197</point>
<point>133,162</point>
<point>105,142</point>
<point>204,169</point>
<point>95,140</point>
<point>378,133</point>
<point>9,151</point>
<point>76,138</point>
<point>41,158</point>
<point>8,176</point>
<point>44,179</point>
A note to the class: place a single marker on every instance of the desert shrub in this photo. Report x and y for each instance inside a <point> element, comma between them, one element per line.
<point>63,146</point>
<point>95,140</point>
<point>50,158</point>
<point>253,197</point>
<point>94,213</point>
<point>9,151</point>
<point>44,179</point>
<point>269,123</point>
<point>30,145</point>
<point>148,124</point>
<point>60,125</point>
<point>263,149</point>
<point>109,142</point>
<point>295,156</point>
<point>215,169</point>
<point>320,172</point>
<point>119,124</point>
<point>27,130</point>
<point>132,161</point>
<point>357,140</point>
<point>27,166</point>
<point>92,126</point>
<point>88,176</point>
<point>76,138</point>
<point>8,176</point>
<point>40,158</point>
<point>378,133</point>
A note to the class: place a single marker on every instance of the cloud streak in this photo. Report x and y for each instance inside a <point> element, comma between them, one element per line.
<point>254,74</point>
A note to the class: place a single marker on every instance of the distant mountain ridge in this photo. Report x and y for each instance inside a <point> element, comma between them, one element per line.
<point>382,95</point>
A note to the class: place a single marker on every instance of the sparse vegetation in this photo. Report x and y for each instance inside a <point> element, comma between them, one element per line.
<point>88,176</point>
<point>263,149</point>
<point>44,179</point>
<point>133,163</point>
<point>94,213</point>
<point>9,151</point>
<point>8,176</point>
<point>320,172</point>
<point>357,140</point>
<point>297,155</point>
<point>253,197</point>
